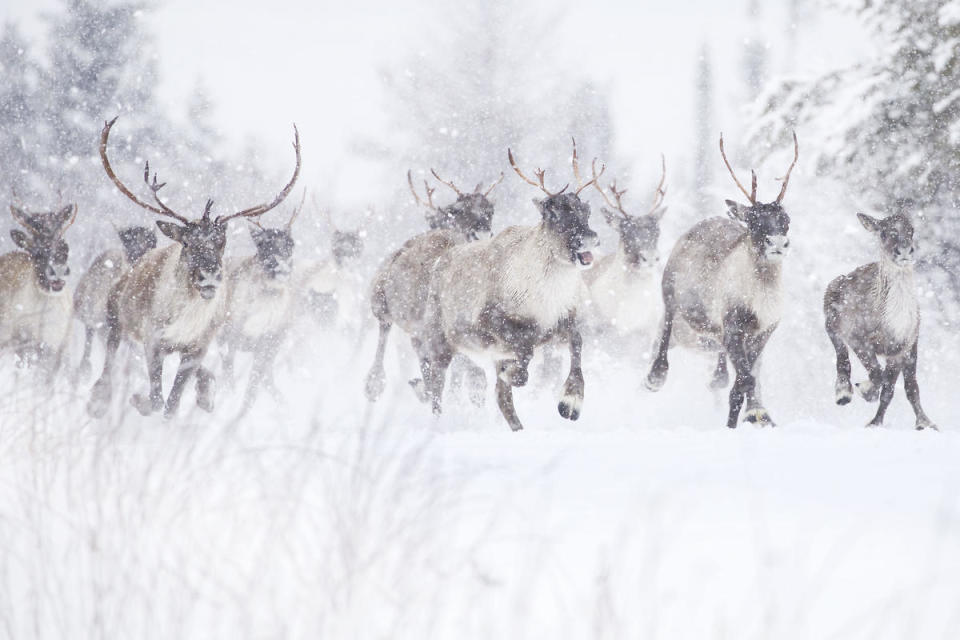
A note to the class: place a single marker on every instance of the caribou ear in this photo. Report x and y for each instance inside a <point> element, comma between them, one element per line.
<point>171,230</point>
<point>658,213</point>
<point>63,217</point>
<point>20,239</point>
<point>737,211</point>
<point>255,232</point>
<point>870,224</point>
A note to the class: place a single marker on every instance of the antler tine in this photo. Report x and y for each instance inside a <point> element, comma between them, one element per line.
<point>104,135</point>
<point>429,203</point>
<point>155,188</point>
<point>64,228</point>
<point>449,184</point>
<point>260,209</point>
<point>591,181</point>
<point>660,193</point>
<point>495,183</point>
<point>539,173</point>
<point>786,178</point>
<point>576,165</point>
<point>753,198</point>
<point>296,211</point>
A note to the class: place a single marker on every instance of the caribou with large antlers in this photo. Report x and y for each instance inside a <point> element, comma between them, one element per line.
<point>399,290</point>
<point>35,309</point>
<point>508,295</point>
<point>623,285</point>
<point>722,291</point>
<point>171,301</point>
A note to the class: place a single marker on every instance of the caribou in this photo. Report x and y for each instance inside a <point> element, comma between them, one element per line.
<point>398,294</point>
<point>35,313</point>
<point>722,291</point>
<point>171,301</point>
<point>93,289</point>
<point>624,292</point>
<point>505,296</point>
<point>874,310</point>
<point>260,300</point>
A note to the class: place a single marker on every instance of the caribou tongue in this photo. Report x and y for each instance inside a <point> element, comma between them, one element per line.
<point>585,258</point>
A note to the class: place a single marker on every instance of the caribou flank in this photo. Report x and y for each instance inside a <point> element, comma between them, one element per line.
<point>171,301</point>
<point>260,304</point>
<point>874,310</point>
<point>90,297</point>
<point>35,311</point>
<point>623,286</point>
<point>722,291</point>
<point>400,287</point>
<point>508,295</point>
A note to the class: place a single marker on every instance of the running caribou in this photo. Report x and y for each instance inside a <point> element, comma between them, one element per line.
<point>35,311</point>
<point>722,291</point>
<point>171,301</point>
<point>401,285</point>
<point>874,310</point>
<point>506,296</point>
<point>624,291</point>
<point>90,297</point>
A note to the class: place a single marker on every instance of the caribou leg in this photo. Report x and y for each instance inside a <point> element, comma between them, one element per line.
<point>869,390</point>
<point>189,362</point>
<point>755,412</point>
<point>376,377</point>
<point>84,368</point>
<point>505,371</point>
<point>660,366</point>
<point>572,401</point>
<point>153,402</point>
<point>720,378</point>
<point>889,381</point>
<point>102,390</point>
<point>913,390</point>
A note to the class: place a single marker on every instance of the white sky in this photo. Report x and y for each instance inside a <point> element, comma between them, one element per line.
<point>316,63</point>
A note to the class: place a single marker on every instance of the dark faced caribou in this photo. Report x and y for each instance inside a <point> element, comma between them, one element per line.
<point>874,310</point>
<point>398,294</point>
<point>171,301</point>
<point>35,309</point>
<point>722,291</point>
<point>508,295</point>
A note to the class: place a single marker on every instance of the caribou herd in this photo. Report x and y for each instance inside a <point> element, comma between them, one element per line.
<point>463,294</point>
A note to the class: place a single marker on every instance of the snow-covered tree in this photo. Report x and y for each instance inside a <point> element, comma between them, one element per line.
<point>21,126</point>
<point>704,152</point>
<point>888,128</point>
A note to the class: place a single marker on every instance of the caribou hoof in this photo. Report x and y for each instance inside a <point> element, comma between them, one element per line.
<point>99,400</point>
<point>656,378</point>
<point>420,389</point>
<point>925,423</point>
<point>759,417</point>
<point>718,382</point>
<point>376,382</point>
<point>205,391</point>
<point>844,392</point>
<point>569,406</point>
<point>868,391</point>
<point>143,404</point>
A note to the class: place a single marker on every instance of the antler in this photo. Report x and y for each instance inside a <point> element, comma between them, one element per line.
<point>429,203</point>
<point>786,178</point>
<point>617,195</point>
<point>261,209</point>
<point>576,170</point>
<point>449,184</point>
<point>660,193</point>
<point>753,192</point>
<point>495,183</point>
<point>539,173</point>
<point>163,209</point>
<point>296,211</point>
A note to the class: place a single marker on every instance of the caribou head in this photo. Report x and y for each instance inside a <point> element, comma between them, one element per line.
<point>895,235</point>
<point>565,216</point>
<point>202,241</point>
<point>137,241</point>
<point>639,234</point>
<point>275,246</point>
<point>767,223</point>
<point>470,214</point>
<point>43,242</point>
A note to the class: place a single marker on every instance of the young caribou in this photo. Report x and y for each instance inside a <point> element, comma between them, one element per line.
<point>35,311</point>
<point>508,295</point>
<point>874,310</point>
<point>623,285</point>
<point>171,301</point>
<point>400,287</point>
<point>260,301</point>
<point>90,296</point>
<point>722,290</point>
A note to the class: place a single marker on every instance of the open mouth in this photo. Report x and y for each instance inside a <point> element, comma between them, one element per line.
<point>207,292</point>
<point>57,285</point>
<point>585,258</point>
